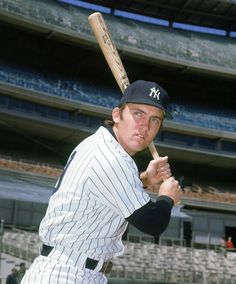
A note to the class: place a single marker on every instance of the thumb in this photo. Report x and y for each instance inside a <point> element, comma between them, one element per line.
<point>163,159</point>
<point>160,160</point>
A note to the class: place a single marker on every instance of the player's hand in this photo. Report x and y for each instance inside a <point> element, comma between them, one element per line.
<point>170,187</point>
<point>157,171</point>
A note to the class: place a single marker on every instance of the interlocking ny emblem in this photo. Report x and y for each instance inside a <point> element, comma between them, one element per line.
<point>155,93</point>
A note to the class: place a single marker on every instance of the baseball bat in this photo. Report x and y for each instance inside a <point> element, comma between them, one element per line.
<point>112,57</point>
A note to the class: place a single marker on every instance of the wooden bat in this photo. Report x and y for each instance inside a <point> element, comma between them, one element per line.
<point>112,56</point>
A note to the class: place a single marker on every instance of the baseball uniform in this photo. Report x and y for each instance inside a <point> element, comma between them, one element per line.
<point>98,193</point>
<point>98,189</point>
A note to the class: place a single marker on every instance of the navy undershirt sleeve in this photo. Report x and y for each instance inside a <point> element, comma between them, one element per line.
<point>154,217</point>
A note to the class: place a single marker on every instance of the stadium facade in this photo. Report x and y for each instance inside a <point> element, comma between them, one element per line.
<point>56,89</point>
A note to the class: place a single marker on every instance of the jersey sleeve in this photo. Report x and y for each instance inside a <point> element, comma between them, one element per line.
<point>154,217</point>
<point>114,180</point>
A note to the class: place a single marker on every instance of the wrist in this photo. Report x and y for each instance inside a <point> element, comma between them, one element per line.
<point>166,198</point>
<point>154,187</point>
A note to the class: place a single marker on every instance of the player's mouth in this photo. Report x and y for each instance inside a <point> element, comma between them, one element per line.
<point>140,137</point>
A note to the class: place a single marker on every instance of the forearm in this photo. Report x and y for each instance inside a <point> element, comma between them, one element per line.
<point>154,217</point>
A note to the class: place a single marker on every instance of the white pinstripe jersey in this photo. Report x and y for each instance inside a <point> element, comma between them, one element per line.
<point>99,189</point>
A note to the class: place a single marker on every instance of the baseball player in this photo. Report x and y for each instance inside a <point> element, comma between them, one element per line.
<point>101,190</point>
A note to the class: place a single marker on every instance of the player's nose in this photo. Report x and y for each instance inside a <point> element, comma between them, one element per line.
<point>145,123</point>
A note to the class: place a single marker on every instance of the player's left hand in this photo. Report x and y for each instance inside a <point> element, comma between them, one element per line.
<point>157,171</point>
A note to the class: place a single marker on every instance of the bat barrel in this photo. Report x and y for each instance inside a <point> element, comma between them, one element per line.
<point>112,56</point>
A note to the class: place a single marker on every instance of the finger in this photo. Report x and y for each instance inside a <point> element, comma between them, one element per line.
<point>164,173</point>
<point>165,176</point>
<point>160,161</point>
<point>170,179</point>
<point>164,170</point>
<point>162,164</point>
<point>163,167</point>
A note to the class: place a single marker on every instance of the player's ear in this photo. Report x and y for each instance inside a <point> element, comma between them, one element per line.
<point>116,114</point>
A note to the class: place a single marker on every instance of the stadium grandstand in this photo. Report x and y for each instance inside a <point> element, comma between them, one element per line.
<point>56,89</point>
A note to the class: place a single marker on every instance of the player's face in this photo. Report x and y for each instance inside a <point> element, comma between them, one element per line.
<point>136,126</point>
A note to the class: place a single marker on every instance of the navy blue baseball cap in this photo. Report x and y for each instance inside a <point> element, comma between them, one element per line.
<point>148,93</point>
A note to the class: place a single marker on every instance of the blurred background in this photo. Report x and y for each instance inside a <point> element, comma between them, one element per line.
<point>56,89</point>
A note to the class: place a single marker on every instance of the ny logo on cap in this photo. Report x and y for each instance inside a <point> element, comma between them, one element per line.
<point>155,93</point>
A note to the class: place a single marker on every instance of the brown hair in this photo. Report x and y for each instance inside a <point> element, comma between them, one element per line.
<point>111,123</point>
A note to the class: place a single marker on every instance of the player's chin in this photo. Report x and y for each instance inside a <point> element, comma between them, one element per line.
<point>138,147</point>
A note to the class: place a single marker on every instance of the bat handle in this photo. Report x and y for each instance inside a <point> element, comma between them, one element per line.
<point>153,151</point>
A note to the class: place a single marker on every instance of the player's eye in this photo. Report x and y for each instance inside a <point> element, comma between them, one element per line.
<point>155,120</point>
<point>138,114</point>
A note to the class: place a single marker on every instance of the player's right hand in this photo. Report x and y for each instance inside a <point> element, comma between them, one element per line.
<point>170,187</point>
<point>157,171</point>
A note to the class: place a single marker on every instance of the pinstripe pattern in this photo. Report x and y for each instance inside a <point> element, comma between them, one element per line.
<point>49,271</point>
<point>86,214</point>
